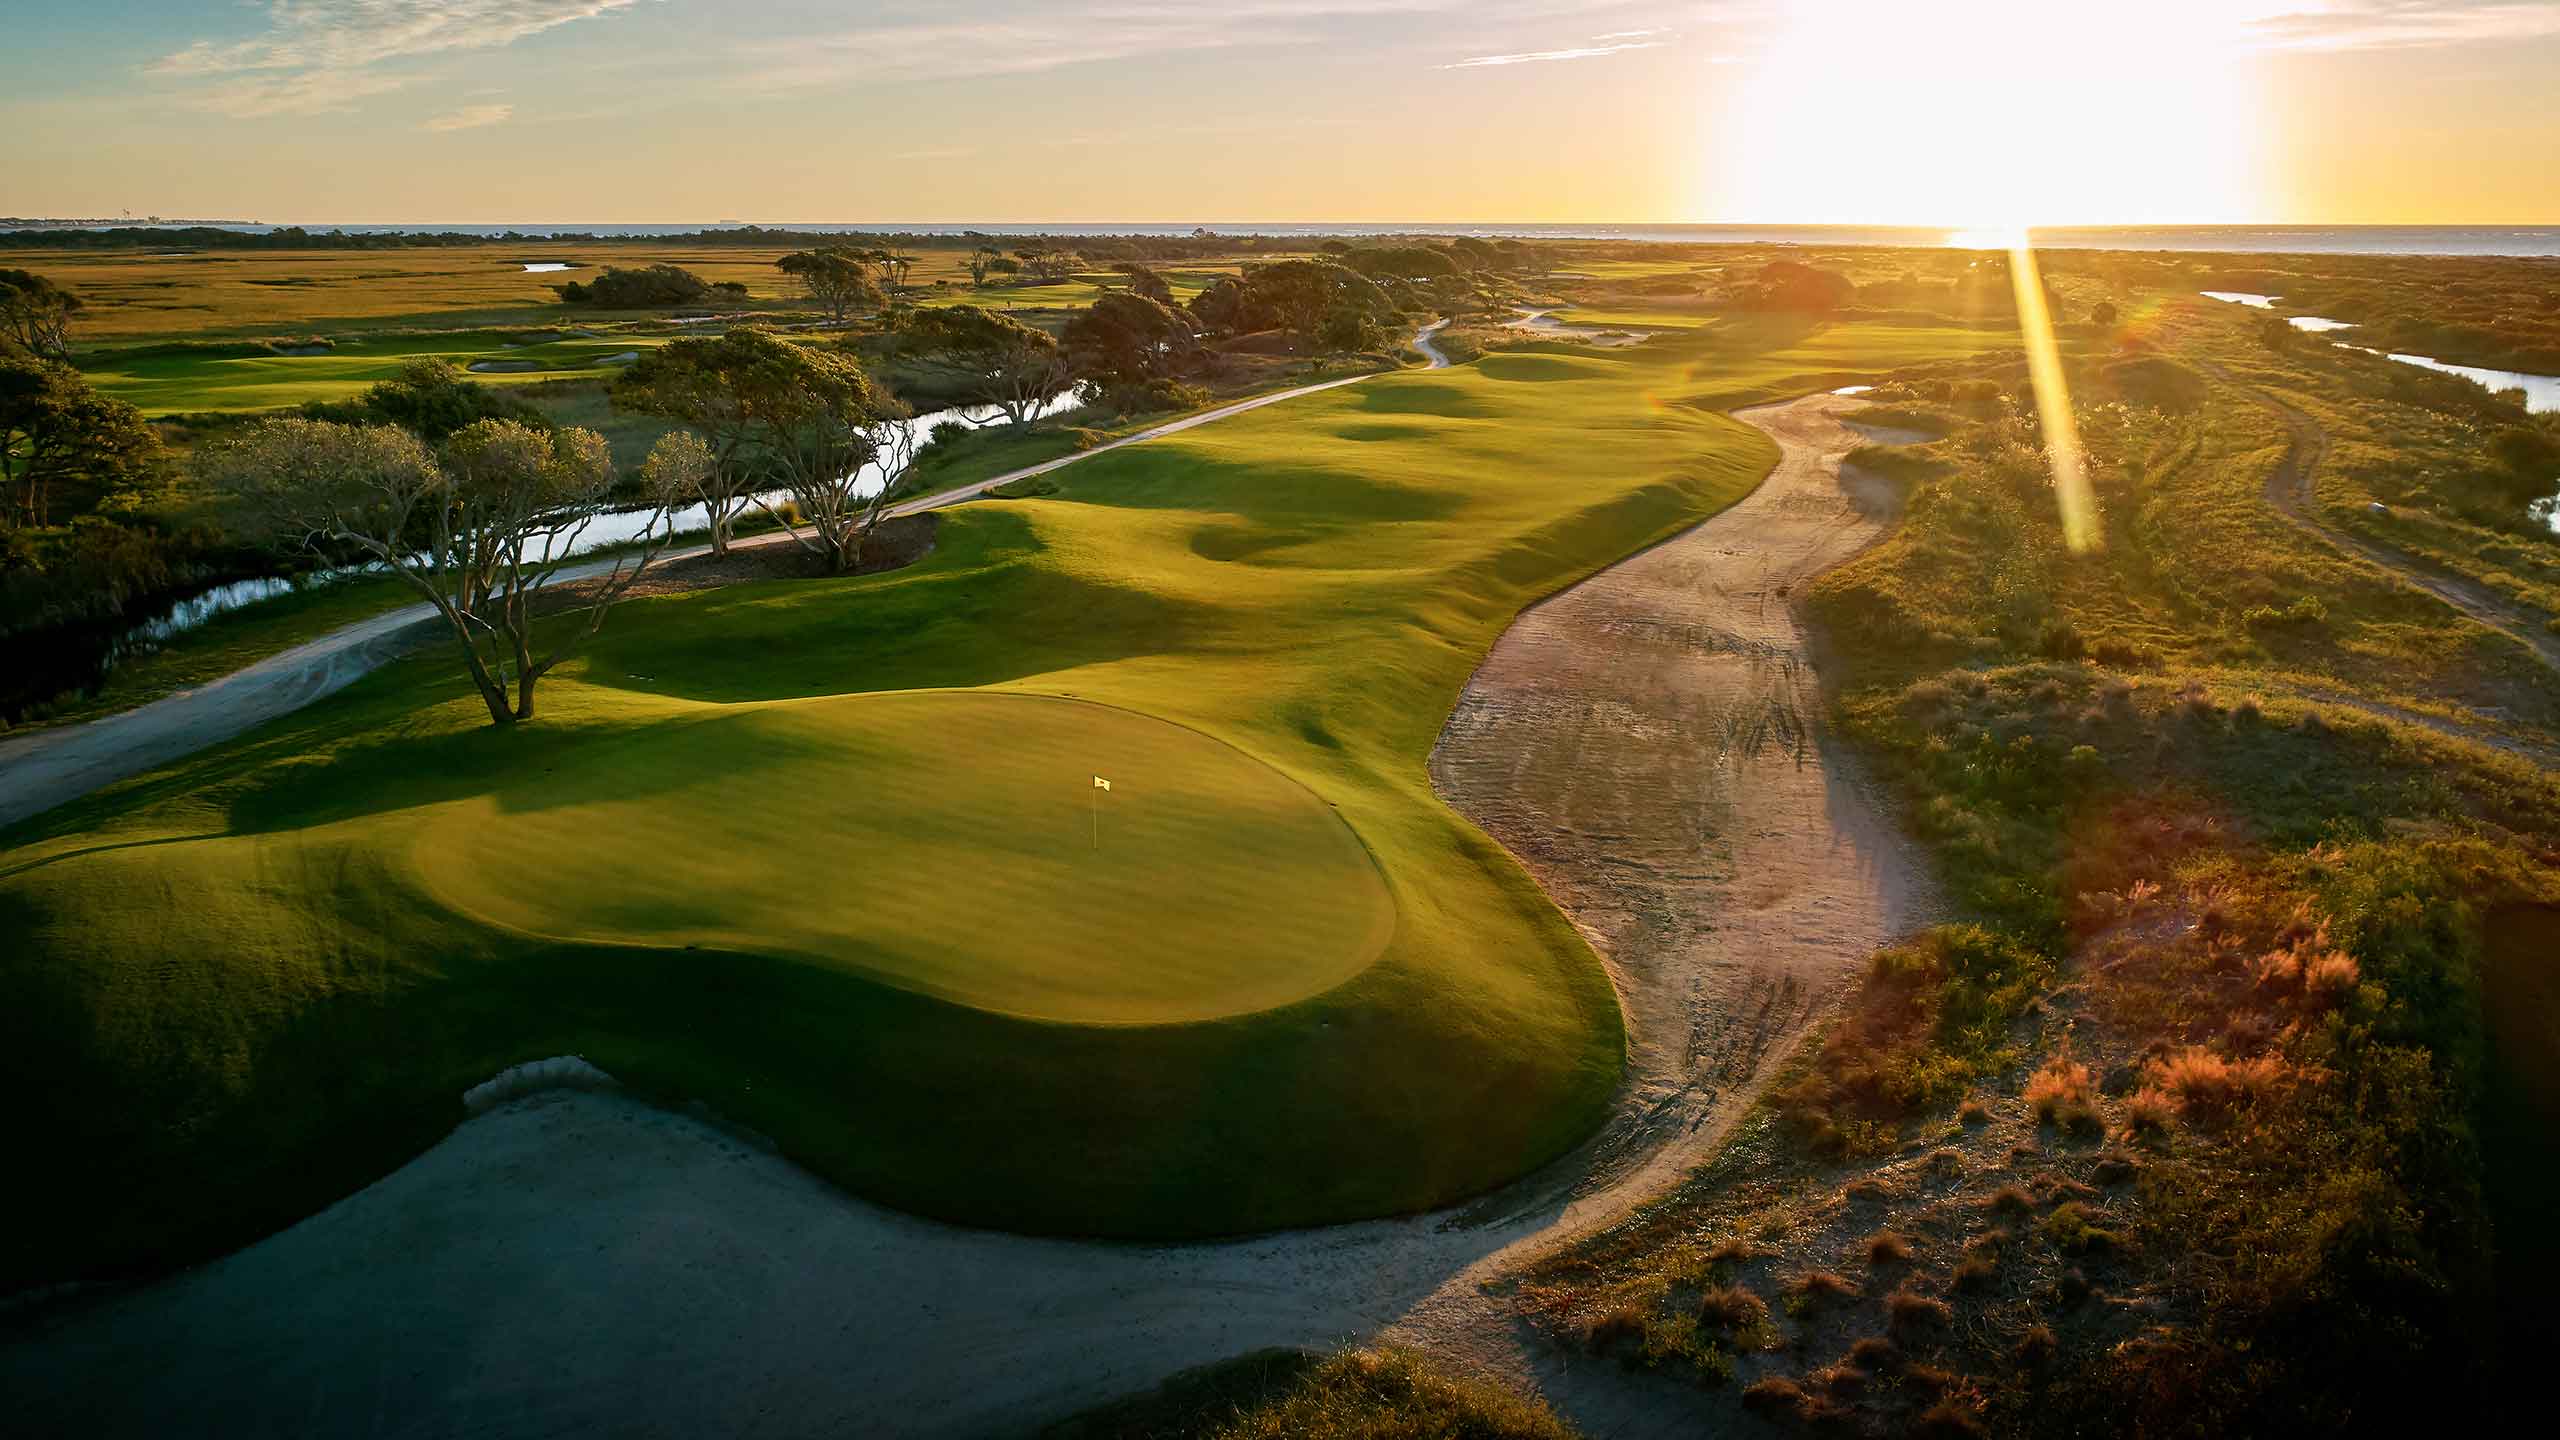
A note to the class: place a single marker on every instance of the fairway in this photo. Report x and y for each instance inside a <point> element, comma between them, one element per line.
<point>218,378</point>
<point>949,843</point>
<point>1290,986</point>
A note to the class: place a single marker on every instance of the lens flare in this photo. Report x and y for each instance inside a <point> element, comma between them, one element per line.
<point>2071,492</point>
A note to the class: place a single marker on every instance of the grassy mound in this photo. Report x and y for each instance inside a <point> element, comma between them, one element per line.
<point>232,981</point>
<point>1203,884</point>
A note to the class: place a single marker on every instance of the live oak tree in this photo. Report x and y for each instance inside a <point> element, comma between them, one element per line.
<point>837,278</point>
<point>1045,266</point>
<point>721,388</point>
<point>682,468</point>
<point>1146,282</point>
<point>657,287</point>
<point>989,359</point>
<point>62,440</point>
<point>36,314</point>
<point>982,263</point>
<point>1302,297</point>
<point>480,530</point>
<point>1128,338</point>
<point>831,440</point>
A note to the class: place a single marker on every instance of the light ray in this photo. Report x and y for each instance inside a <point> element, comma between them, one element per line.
<point>2071,492</point>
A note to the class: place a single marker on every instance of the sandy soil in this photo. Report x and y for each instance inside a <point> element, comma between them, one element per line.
<point>574,1262</point>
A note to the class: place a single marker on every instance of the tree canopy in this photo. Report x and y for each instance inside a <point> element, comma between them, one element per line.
<point>431,399</point>
<point>1128,338</point>
<point>61,442</point>
<point>837,277</point>
<point>1298,296</point>
<point>994,359</point>
<point>655,288</point>
<point>36,314</point>
<point>1146,282</point>
<point>480,527</point>
<point>1403,262</point>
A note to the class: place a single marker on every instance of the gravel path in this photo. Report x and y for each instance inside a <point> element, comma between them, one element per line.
<point>574,1262</point>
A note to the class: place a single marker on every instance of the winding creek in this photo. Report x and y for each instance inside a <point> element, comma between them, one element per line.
<point>2541,392</point>
<point>80,668</point>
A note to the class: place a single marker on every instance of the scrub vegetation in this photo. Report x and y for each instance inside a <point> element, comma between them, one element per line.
<point>2186,1114</point>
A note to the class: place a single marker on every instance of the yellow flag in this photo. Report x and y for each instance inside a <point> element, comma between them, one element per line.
<point>1101,784</point>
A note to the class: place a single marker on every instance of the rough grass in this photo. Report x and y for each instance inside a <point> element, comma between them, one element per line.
<point>1369,1394</point>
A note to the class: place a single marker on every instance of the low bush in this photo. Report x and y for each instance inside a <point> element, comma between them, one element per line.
<point>2063,1093</point>
<point>1908,1311</point>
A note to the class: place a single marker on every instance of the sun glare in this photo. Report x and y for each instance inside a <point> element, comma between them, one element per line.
<point>1989,115</point>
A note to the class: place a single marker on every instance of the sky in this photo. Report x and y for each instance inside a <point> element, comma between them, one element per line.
<point>1923,112</point>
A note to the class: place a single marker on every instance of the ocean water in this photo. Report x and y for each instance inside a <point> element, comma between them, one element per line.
<point>2530,240</point>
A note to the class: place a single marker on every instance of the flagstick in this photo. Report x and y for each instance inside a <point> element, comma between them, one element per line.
<point>1096,792</point>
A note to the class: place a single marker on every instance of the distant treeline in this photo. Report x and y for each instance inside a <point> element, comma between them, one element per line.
<point>1200,244</point>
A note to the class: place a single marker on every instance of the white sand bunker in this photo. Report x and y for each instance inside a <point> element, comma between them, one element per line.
<point>560,1072</point>
<point>1544,322</point>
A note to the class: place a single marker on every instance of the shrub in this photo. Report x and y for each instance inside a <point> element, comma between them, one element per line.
<point>1839,1378</point>
<point>2151,1110</point>
<point>2205,1085</point>
<point>1976,1273</point>
<point>1875,1352</point>
<point>2012,1200</point>
<point>1729,1307</point>
<point>2329,979</point>
<point>1887,1247</point>
<point>2069,1229</point>
<point>1153,396</point>
<point>2036,1346</point>
<point>1387,1392</point>
<point>1618,1322</point>
<point>1948,1420</point>
<point>1817,1286</point>
<point>2063,1093</point>
<point>1775,1396</point>
<point>1908,1311</point>
<point>1733,1250</point>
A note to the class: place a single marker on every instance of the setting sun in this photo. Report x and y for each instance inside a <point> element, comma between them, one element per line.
<point>2028,113</point>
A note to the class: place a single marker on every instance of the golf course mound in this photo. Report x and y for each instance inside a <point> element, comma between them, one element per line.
<point>949,843</point>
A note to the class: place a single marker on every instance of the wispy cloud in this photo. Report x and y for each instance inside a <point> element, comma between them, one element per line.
<point>963,39</point>
<point>320,55</point>
<point>310,92</point>
<point>470,117</point>
<point>1614,43</point>
<point>2401,24</point>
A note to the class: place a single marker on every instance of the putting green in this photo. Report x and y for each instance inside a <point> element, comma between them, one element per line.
<point>949,843</point>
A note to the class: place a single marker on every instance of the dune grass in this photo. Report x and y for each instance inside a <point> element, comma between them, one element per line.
<point>234,984</point>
